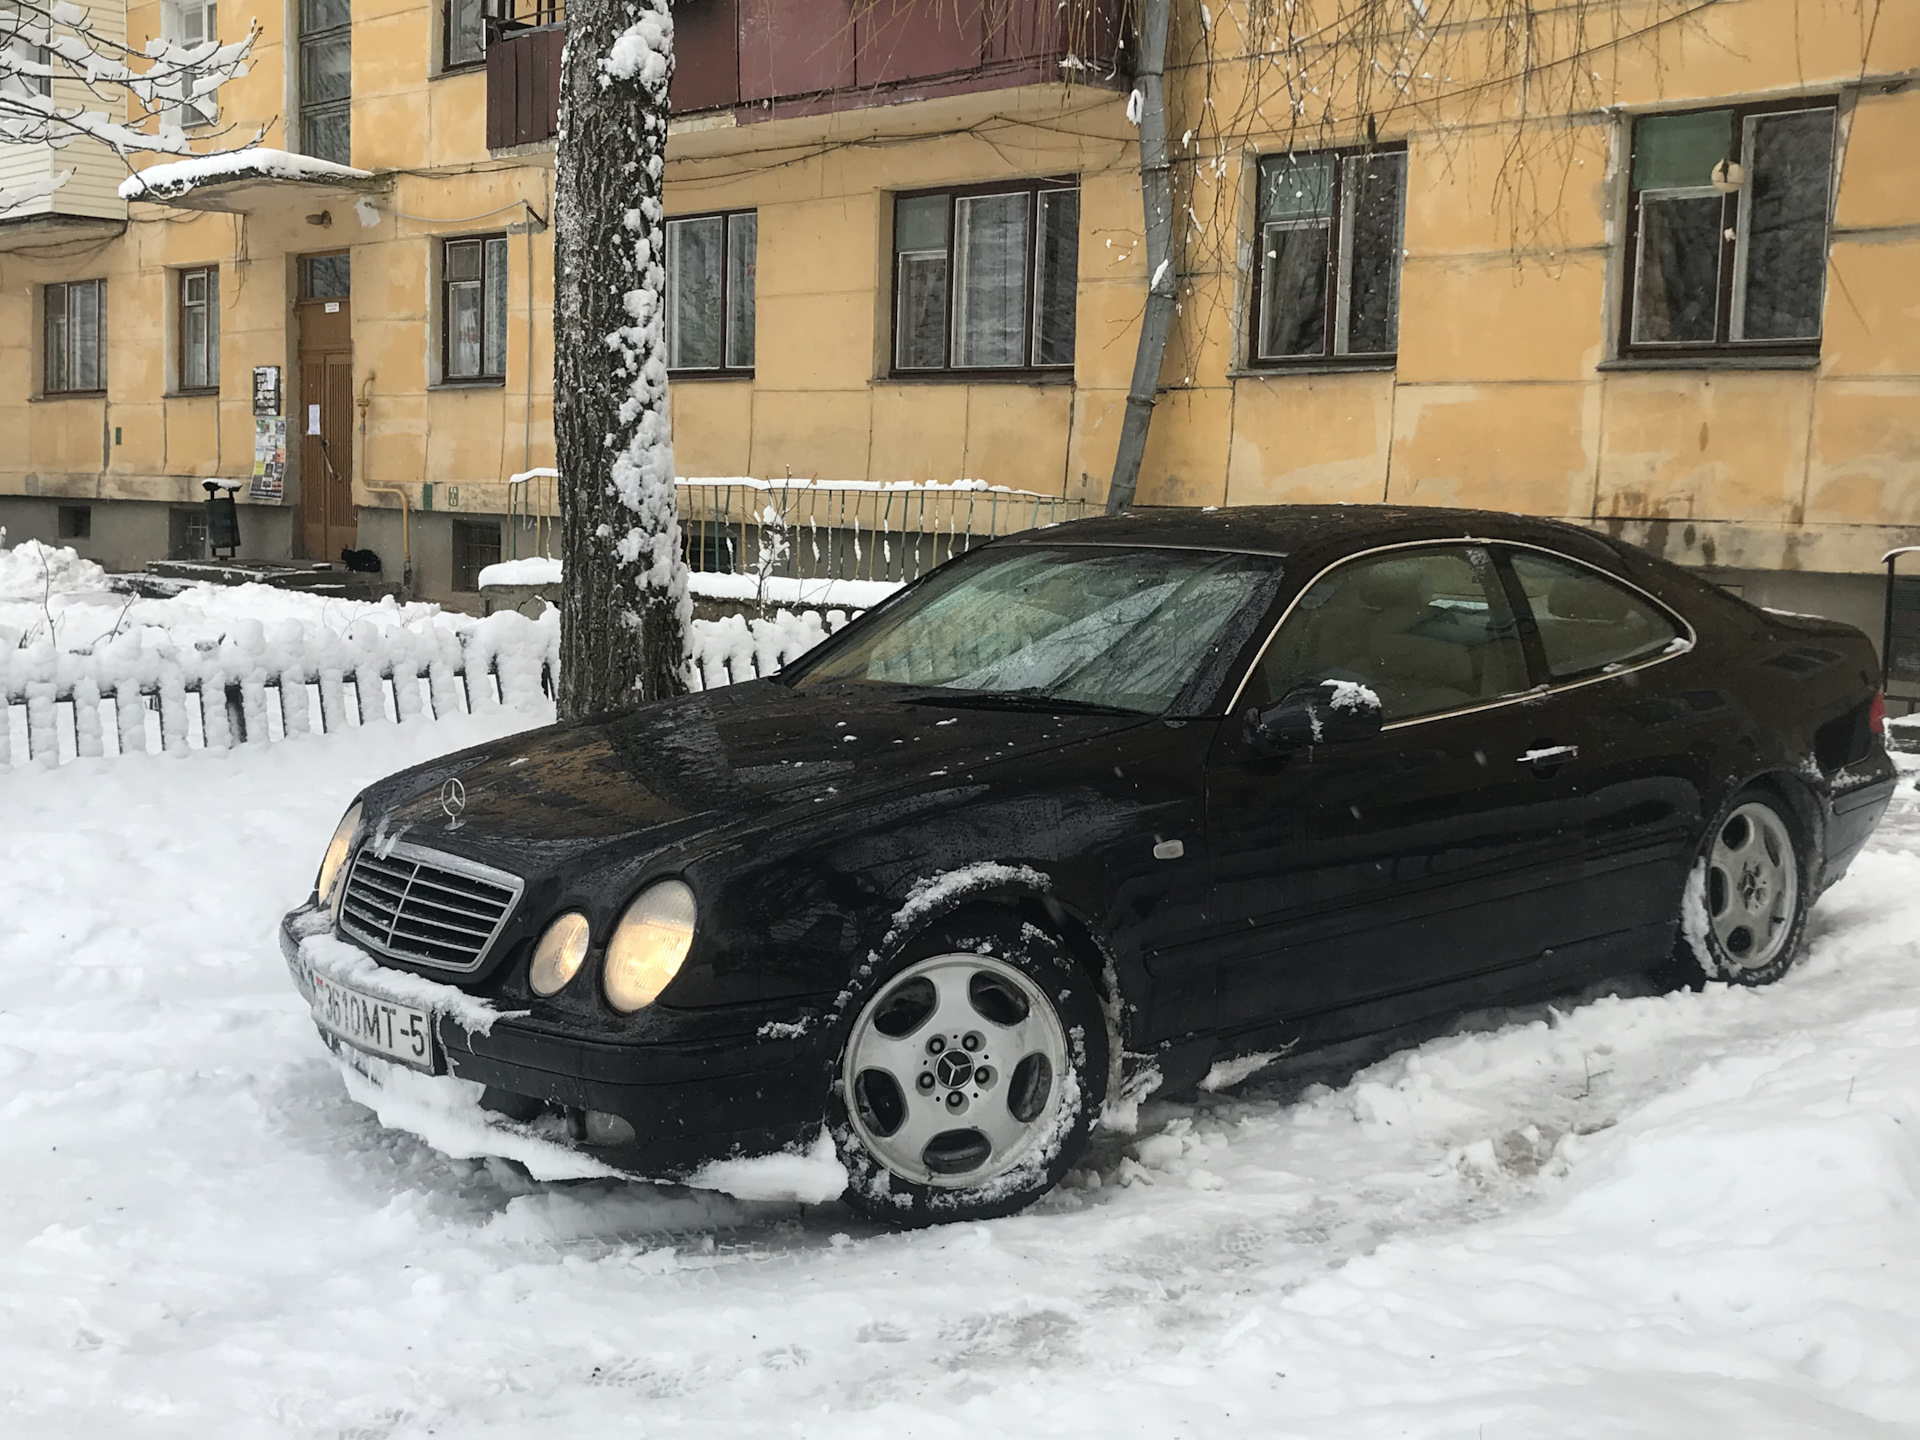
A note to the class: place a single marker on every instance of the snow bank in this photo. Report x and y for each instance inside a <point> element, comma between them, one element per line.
<point>811,1177</point>
<point>33,571</point>
<point>779,590</point>
<point>175,178</point>
<point>733,648</point>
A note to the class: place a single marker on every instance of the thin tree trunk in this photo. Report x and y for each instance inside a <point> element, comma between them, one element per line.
<point>1156,197</point>
<point>623,623</point>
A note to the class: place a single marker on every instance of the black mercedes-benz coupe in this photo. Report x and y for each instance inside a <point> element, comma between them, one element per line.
<point>1086,811</point>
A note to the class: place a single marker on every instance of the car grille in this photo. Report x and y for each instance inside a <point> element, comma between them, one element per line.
<point>417,904</point>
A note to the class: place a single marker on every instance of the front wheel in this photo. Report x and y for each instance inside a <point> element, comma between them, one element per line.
<point>970,1078</point>
<point>1746,903</point>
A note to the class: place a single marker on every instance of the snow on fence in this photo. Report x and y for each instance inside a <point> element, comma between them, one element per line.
<point>264,683</point>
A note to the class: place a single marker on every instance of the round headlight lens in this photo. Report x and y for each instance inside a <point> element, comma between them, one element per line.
<point>338,848</point>
<point>648,945</point>
<point>556,959</point>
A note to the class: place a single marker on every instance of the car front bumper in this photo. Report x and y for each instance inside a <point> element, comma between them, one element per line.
<point>658,1110</point>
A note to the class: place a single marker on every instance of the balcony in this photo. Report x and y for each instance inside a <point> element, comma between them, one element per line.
<point>769,59</point>
<point>524,40</point>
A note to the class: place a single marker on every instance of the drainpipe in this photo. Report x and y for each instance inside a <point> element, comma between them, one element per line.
<point>406,501</point>
<point>1156,198</point>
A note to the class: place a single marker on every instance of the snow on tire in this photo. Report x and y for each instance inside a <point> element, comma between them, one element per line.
<point>1745,909</point>
<point>969,1075</point>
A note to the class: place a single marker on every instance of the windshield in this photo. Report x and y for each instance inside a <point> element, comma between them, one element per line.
<point>1102,626</point>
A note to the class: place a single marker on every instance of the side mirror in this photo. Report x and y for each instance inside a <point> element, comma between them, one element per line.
<point>1330,712</point>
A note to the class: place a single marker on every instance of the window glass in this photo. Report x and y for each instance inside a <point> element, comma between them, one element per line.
<point>1588,623</point>
<point>695,252</point>
<point>1297,187</point>
<point>1093,625</point>
<point>1373,283</point>
<point>327,135</point>
<point>1056,277</point>
<point>326,71</point>
<point>474,299</point>
<point>466,22</point>
<point>199,329</point>
<point>494,357</point>
<point>1787,184</point>
<point>1293,290</point>
<point>1677,297</point>
<point>990,280</point>
<point>920,223</point>
<point>923,312</point>
<point>1678,152</point>
<point>85,334</point>
<point>58,378</point>
<point>743,263</point>
<point>326,80</point>
<point>326,277</point>
<point>1427,630</point>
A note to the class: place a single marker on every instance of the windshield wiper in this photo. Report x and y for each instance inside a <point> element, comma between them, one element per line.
<point>1035,700</point>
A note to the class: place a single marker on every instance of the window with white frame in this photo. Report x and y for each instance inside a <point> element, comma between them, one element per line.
<point>711,265</point>
<point>1727,233</point>
<point>199,329</point>
<point>1326,279</point>
<point>75,337</point>
<point>986,278</point>
<point>191,23</point>
<point>473,308</point>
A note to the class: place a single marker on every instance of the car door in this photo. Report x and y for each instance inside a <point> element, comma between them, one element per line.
<point>1639,720</point>
<point>1349,873</point>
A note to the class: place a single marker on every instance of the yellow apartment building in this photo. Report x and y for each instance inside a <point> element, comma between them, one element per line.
<point>1646,265</point>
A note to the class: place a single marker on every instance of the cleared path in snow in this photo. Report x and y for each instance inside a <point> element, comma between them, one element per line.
<point>1628,1215</point>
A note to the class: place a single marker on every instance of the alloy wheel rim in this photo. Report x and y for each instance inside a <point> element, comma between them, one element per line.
<point>953,1072</point>
<point>1753,886</point>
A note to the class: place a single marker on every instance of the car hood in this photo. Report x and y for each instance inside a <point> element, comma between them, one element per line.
<point>708,760</point>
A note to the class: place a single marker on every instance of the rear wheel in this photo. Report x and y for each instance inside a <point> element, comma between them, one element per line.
<point>970,1077</point>
<point>1746,905</point>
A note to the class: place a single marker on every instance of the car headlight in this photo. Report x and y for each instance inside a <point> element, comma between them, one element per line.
<point>556,959</point>
<point>648,945</point>
<point>338,848</point>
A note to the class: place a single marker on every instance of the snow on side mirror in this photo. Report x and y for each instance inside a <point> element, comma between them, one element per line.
<point>1329,712</point>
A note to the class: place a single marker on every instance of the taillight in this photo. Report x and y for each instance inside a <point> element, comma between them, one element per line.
<point>1877,714</point>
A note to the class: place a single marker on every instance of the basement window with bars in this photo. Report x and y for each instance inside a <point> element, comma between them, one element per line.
<point>1727,231</point>
<point>711,265</point>
<point>76,337</point>
<point>199,329</point>
<point>476,545</point>
<point>986,279</point>
<point>1326,279</point>
<point>473,309</point>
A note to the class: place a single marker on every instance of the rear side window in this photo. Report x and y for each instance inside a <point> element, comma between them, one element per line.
<point>1589,624</point>
<point>1427,630</point>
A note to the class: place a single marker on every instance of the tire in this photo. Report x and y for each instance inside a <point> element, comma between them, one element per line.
<point>1744,914</point>
<point>970,1076</point>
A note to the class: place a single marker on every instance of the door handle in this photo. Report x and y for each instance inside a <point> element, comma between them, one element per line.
<point>1549,757</point>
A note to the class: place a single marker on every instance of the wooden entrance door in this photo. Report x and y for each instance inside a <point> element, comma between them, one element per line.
<point>328,522</point>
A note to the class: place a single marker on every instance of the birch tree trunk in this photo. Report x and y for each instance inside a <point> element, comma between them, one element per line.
<point>623,623</point>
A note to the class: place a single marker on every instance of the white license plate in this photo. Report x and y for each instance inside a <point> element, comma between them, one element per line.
<point>396,1031</point>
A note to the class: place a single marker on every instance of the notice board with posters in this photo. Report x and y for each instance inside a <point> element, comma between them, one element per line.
<point>269,458</point>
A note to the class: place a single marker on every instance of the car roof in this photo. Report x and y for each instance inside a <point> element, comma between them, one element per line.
<point>1309,529</point>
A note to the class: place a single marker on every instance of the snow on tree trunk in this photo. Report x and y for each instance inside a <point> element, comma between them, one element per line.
<point>624,624</point>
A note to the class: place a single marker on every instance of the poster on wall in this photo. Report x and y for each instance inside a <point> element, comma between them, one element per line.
<point>269,458</point>
<point>266,390</point>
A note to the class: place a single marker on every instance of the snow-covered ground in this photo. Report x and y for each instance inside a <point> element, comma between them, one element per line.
<point>1629,1215</point>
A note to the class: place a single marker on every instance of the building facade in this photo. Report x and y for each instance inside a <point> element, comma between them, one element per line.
<point>1646,266</point>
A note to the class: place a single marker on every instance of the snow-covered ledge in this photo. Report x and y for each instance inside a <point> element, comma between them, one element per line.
<point>235,181</point>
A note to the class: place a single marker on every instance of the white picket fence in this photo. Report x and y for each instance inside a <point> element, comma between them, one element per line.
<point>126,698</point>
<point>249,689</point>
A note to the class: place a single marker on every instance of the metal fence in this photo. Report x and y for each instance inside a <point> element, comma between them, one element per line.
<point>814,529</point>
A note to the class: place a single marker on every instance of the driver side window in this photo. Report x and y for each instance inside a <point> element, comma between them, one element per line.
<point>1427,630</point>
